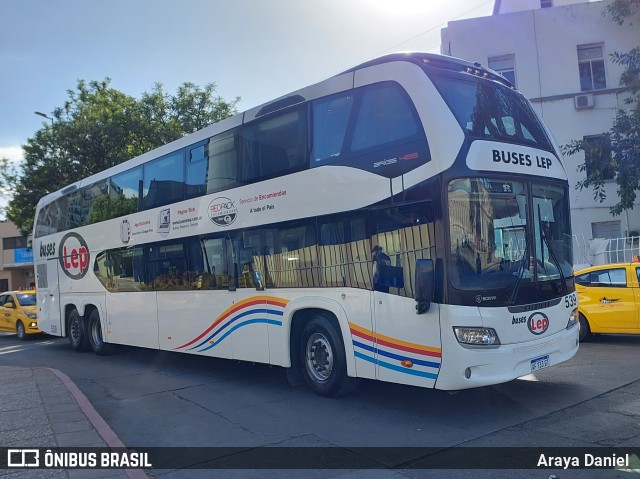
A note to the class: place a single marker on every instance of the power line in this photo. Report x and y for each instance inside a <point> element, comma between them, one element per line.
<point>434,28</point>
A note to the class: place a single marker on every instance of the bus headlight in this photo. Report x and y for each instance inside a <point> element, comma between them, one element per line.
<point>477,336</point>
<point>573,319</point>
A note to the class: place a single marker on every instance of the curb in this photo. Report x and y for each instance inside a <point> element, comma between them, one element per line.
<point>100,425</point>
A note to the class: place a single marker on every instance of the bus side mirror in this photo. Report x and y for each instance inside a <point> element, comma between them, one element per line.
<point>425,282</point>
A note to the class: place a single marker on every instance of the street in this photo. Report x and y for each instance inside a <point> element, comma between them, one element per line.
<point>159,399</point>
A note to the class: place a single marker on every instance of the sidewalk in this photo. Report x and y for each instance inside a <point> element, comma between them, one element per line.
<point>42,407</point>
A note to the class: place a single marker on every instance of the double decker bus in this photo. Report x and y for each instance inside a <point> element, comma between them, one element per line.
<point>405,221</point>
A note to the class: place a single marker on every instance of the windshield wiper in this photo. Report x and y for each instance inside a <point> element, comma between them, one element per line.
<point>552,254</point>
<point>521,270</point>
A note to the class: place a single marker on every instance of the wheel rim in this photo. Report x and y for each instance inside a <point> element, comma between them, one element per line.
<point>319,357</point>
<point>20,330</point>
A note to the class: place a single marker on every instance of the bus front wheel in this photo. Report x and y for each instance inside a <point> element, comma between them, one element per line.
<point>324,364</point>
<point>78,337</point>
<point>95,335</point>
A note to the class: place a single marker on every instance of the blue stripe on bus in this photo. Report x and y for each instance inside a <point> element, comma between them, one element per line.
<point>421,362</point>
<point>275,312</point>
<point>394,367</point>
<point>245,323</point>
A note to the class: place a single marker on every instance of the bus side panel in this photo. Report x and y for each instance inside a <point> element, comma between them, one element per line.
<point>406,345</point>
<point>223,324</point>
<point>132,319</point>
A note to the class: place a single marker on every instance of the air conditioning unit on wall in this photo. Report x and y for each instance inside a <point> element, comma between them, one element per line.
<point>583,102</point>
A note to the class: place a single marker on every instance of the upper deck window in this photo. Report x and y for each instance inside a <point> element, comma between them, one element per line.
<point>489,111</point>
<point>368,119</point>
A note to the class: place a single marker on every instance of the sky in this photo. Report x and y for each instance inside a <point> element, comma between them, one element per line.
<point>257,50</point>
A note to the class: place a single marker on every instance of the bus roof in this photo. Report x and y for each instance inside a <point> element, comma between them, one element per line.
<point>340,82</point>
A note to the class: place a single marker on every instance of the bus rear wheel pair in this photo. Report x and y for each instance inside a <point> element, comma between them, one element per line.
<point>86,333</point>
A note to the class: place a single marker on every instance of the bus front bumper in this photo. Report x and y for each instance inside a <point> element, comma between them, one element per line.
<point>465,368</point>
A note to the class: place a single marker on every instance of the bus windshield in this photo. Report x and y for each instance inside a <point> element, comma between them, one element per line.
<point>488,110</point>
<point>506,235</point>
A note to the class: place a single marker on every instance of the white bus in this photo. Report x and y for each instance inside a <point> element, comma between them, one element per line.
<point>405,221</point>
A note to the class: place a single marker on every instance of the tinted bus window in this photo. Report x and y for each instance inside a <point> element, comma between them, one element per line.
<point>275,145</point>
<point>491,111</point>
<point>164,181</point>
<point>346,126</point>
<point>222,168</point>
<point>385,116</point>
<point>196,176</point>
<point>330,120</point>
<point>125,191</point>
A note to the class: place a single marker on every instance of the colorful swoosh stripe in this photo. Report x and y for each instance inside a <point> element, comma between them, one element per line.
<point>388,352</point>
<point>254,310</point>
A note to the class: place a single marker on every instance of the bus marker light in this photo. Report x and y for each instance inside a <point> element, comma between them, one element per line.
<point>467,373</point>
<point>407,364</point>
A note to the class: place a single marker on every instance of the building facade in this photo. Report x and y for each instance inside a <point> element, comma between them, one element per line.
<point>16,259</point>
<point>558,53</point>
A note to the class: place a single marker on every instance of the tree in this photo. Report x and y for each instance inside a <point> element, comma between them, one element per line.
<point>623,140</point>
<point>99,127</point>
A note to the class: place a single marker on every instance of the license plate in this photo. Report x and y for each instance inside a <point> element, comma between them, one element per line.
<point>539,363</point>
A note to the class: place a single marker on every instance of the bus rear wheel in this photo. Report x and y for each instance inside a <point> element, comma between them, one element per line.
<point>324,364</point>
<point>95,335</point>
<point>77,331</point>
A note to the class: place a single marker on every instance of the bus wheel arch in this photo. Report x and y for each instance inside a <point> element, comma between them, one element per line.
<point>77,331</point>
<point>94,332</point>
<point>318,350</point>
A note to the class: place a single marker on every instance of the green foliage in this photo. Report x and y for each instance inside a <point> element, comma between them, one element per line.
<point>623,140</point>
<point>621,10</point>
<point>99,127</point>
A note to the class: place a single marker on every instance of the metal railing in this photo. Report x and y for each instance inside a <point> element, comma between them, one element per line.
<point>605,250</point>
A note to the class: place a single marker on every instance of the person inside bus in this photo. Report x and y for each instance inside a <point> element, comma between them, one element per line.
<point>380,260</point>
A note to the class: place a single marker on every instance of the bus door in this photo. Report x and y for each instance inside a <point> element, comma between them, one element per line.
<point>407,344</point>
<point>48,297</point>
<point>251,313</point>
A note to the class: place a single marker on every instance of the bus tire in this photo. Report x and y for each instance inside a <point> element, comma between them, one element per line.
<point>323,359</point>
<point>585,330</point>
<point>78,337</point>
<point>95,335</point>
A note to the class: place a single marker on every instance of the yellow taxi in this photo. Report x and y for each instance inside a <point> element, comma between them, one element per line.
<point>609,299</point>
<point>18,313</point>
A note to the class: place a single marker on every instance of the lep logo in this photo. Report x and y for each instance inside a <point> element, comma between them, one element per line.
<point>74,256</point>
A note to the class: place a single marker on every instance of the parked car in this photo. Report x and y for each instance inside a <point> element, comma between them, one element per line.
<point>609,299</point>
<point>18,313</point>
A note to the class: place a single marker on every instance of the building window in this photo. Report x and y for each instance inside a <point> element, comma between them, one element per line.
<point>597,157</point>
<point>14,242</point>
<point>505,65</point>
<point>591,67</point>
<point>546,3</point>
